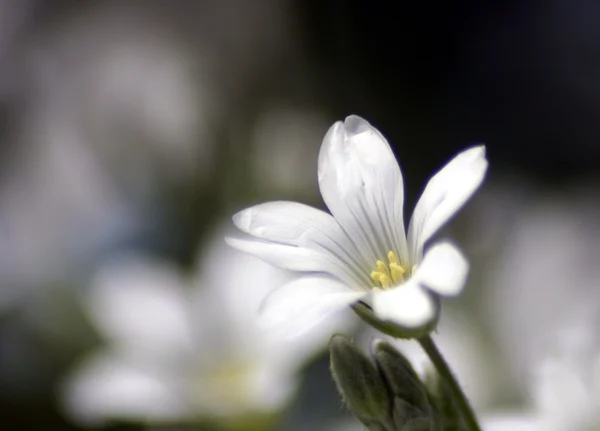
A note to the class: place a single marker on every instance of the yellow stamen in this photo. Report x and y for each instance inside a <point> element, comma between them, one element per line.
<point>375,276</point>
<point>386,275</point>
<point>385,281</point>
<point>397,272</point>
<point>392,257</point>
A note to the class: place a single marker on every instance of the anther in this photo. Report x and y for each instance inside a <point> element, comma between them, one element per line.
<point>385,281</point>
<point>386,275</point>
<point>392,257</point>
<point>375,276</point>
<point>397,272</point>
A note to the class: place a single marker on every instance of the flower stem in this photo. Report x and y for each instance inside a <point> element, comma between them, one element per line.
<point>446,373</point>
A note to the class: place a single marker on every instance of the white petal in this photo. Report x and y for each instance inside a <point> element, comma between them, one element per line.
<point>444,195</point>
<point>407,305</point>
<point>301,304</point>
<point>109,387</point>
<point>286,222</point>
<point>230,389</point>
<point>292,353</point>
<point>273,384</point>
<point>443,270</point>
<point>141,302</point>
<point>297,259</point>
<point>559,392</point>
<point>299,225</point>
<point>512,422</point>
<point>595,386</point>
<point>361,183</point>
<point>225,274</point>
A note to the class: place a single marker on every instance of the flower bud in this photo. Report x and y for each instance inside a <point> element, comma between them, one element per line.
<point>411,401</point>
<point>403,413</point>
<point>420,424</point>
<point>360,384</point>
<point>401,378</point>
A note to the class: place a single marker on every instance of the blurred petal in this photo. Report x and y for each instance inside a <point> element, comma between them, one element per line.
<point>301,304</point>
<point>143,303</point>
<point>296,258</point>
<point>444,270</point>
<point>407,305</point>
<point>444,195</point>
<point>595,392</point>
<point>511,422</point>
<point>291,353</point>
<point>108,387</point>
<point>273,384</point>
<point>559,390</point>
<point>362,185</point>
<point>300,225</point>
<point>225,273</point>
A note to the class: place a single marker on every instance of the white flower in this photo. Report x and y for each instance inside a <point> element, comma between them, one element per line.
<point>361,252</point>
<point>528,304</point>
<point>508,421</point>
<point>544,320</point>
<point>181,349</point>
<point>566,396</point>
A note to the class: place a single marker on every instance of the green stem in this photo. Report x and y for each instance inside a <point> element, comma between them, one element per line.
<point>442,367</point>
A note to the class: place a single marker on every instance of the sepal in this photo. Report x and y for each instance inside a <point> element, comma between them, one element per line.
<point>365,312</point>
<point>360,384</point>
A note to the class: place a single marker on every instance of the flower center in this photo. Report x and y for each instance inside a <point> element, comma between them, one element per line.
<point>390,274</point>
<point>224,386</point>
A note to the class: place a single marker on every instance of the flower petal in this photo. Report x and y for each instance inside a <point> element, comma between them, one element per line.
<point>141,302</point>
<point>301,304</point>
<point>444,195</point>
<point>407,305</point>
<point>443,270</point>
<point>107,386</point>
<point>300,225</point>
<point>559,391</point>
<point>286,222</point>
<point>223,291</point>
<point>297,259</point>
<point>517,421</point>
<point>361,183</point>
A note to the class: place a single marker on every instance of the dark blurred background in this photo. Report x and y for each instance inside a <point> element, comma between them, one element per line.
<point>138,125</point>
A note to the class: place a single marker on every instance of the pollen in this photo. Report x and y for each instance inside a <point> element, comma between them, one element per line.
<point>388,274</point>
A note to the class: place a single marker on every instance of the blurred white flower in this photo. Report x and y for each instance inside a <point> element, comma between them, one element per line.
<point>58,207</point>
<point>362,252</point>
<point>181,349</point>
<point>137,94</point>
<point>565,391</point>
<point>511,422</point>
<point>110,119</point>
<point>544,276</point>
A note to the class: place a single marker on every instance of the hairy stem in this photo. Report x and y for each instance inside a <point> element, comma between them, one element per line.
<point>445,372</point>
